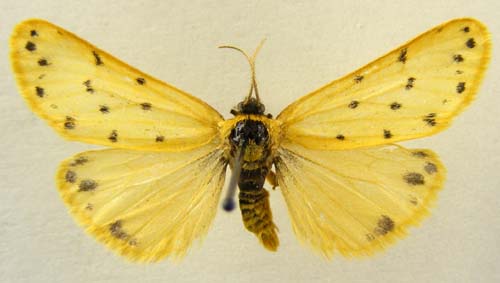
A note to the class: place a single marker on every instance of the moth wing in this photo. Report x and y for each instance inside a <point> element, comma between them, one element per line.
<point>144,205</point>
<point>356,201</point>
<point>413,91</point>
<point>87,95</point>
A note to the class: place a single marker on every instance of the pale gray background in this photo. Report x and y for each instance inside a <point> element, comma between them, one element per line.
<point>307,46</point>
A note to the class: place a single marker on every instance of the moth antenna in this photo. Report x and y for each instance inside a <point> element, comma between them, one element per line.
<point>251,61</point>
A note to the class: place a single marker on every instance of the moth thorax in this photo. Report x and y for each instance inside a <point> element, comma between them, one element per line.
<point>248,132</point>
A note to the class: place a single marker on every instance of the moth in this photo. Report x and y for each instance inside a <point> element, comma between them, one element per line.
<point>348,187</point>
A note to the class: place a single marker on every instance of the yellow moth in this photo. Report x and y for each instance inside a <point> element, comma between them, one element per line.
<point>347,186</point>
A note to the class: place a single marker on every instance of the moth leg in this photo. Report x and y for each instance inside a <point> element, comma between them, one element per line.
<point>271,179</point>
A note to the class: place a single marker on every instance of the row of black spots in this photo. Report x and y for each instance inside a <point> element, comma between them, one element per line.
<point>460,87</point>
<point>414,179</point>
<point>70,123</point>
<point>395,105</point>
<point>471,43</point>
<point>430,119</point>
<point>113,137</point>
<point>430,168</point>
<point>358,79</point>
<point>80,160</point>
<point>97,58</point>
<point>353,104</point>
<point>402,55</point>
<point>116,230</point>
<point>385,225</point>
<point>33,33</point>
<point>387,134</point>
<point>42,62</point>
<point>70,177</point>
<point>40,92</point>
<point>419,154</point>
<point>466,29</point>
<point>88,85</point>
<point>409,83</point>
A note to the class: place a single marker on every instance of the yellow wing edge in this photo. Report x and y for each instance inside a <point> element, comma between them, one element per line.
<point>17,69</point>
<point>442,126</point>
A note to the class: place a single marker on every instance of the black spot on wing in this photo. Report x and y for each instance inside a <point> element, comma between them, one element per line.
<point>88,85</point>
<point>113,137</point>
<point>414,179</point>
<point>460,87</point>
<point>430,168</point>
<point>384,225</point>
<point>466,29</point>
<point>33,33</point>
<point>40,92</point>
<point>97,58</point>
<point>70,123</point>
<point>358,79</point>
<point>80,160</point>
<point>43,62</point>
<point>353,104</point>
<point>395,106</point>
<point>470,43</point>
<point>141,81</point>
<point>340,137</point>
<point>87,185</point>
<point>409,83</point>
<point>104,109</point>
<point>419,154</point>
<point>402,55</point>
<point>160,138</point>
<point>70,176</point>
<point>30,46</point>
<point>430,119</point>
<point>458,58</point>
<point>387,134</point>
<point>146,106</point>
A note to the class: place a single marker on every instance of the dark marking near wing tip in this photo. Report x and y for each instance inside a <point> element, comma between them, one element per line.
<point>430,119</point>
<point>41,76</point>
<point>146,106</point>
<point>402,55</point>
<point>160,138</point>
<point>387,134</point>
<point>98,60</point>
<point>419,154</point>
<point>43,62</point>
<point>30,46</point>
<point>80,160</point>
<point>459,72</point>
<point>70,176</point>
<point>89,206</point>
<point>414,200</point>
<point>340,137</point>
<point>87,185</point>
<point>358,79</point>
<point>370,237</point>
<point>141,81</point>
<point>33,33</point>
<point>409,83</point>
<point>116,230</point>
<point>460,87</point>
<point>471,43</point>
<point>113,137</point>
<point>104,109</point>
<point>414,179</point>
<point>458,58</point>
<point>69,124</point>
<point>353,104</point>
<point>430,168</point>
<point>466,29</point>
<point>395,106</point>
<point>384,225</point>
<point>88,85</point>
<point>39,91</point>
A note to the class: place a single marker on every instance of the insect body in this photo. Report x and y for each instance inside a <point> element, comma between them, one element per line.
<point>348,187</point>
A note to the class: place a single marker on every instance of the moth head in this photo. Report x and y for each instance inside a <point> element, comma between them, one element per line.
<point>250,105</point>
